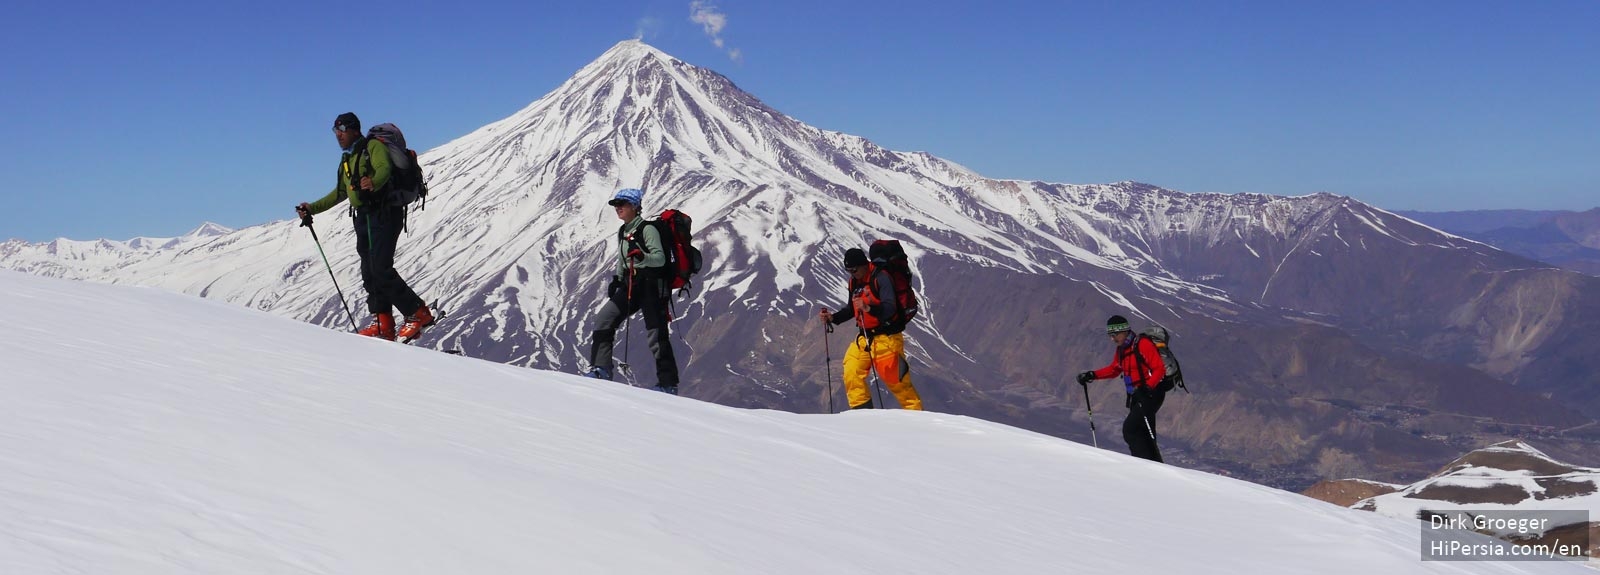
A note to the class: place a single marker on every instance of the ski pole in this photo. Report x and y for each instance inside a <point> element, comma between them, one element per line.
<point>625,368</point>
<point>1092,436</point>
<point>872,372</point>
<point>627,342</point>
<point>305,222</point>
<point>827,364</point>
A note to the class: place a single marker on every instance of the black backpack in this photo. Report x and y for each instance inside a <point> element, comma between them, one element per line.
<point>888,256</point>
<point>406,184</point>
<point>1174,376</point>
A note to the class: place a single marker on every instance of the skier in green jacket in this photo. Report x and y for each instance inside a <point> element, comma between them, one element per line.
<point>364,171</point>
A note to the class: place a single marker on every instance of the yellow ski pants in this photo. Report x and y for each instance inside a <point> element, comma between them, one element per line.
<point>887,355</point>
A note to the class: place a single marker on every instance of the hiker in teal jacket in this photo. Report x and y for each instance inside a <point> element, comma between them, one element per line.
<point>363,179</point>
<point>639,285</point>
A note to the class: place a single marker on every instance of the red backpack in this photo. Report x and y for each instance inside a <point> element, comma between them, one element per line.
<point>683,260</point>
<point>887,255</point>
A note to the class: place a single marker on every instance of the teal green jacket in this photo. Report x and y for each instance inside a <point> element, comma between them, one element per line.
<point>648,240</point>
<point>375,166</point>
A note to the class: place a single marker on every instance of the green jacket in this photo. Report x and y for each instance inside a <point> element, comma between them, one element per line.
<point>648,241</point>
<point>375,166</point>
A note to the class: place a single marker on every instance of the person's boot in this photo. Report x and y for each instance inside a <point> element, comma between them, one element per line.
<point>672,389</point>
<point>867,405</point>
<point>382,327</point>
<point>414,323</point>
<point>599,373</point>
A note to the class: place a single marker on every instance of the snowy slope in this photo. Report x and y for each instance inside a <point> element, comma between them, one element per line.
<point>214,439</point>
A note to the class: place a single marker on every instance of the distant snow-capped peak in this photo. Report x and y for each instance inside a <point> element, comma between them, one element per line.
<point>207,230</point>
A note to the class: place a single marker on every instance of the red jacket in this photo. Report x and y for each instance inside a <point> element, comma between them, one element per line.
<point>1128,362</point>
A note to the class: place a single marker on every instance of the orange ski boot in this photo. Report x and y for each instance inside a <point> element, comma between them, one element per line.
<point>412,329</point>
<point>382,327</point>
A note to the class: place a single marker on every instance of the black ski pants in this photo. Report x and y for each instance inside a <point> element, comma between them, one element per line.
<point>1142,407</point>
<point>377,234</point>
<point>651,297</point>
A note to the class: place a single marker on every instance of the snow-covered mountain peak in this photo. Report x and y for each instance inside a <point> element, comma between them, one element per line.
<point>631,52</point>
<point>631,87</point>
<point>144,243</point>
<point>207,230</point>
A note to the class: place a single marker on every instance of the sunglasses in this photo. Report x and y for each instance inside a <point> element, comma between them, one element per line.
<point>339,128</point>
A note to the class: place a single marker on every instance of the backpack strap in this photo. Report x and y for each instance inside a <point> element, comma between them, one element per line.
<point>350,168</point>
<point>359,154</point>
<point>636,240</point>
<point>872,284</point>
<point>1138,358</point>
<point>862,332</point>
<point>622,236</point>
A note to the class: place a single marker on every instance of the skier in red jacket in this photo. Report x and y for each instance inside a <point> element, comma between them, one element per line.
<point>1142,370</point>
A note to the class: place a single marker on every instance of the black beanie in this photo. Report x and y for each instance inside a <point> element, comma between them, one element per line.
<point>348,120</point>
<point>854,257</point>
<point>1116,324</point>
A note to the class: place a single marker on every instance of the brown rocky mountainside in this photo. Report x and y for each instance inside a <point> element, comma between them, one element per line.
<point>1347,492</point>
<point>1510,475</point>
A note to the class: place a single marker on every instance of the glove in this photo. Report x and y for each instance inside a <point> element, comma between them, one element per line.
<point>1085,377</point>
<point>614,287</point>
<point>827,316</point>
<point>635,255</point>
<point>304,211</point>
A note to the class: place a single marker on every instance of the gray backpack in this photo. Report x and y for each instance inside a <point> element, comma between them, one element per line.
<point>1174,377</point>
<point>406,182</point>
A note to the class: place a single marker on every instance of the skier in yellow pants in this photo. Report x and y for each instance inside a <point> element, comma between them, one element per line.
<point>881,345</point>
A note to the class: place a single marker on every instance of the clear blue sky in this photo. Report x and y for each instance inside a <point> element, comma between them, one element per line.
<point>121,119</point>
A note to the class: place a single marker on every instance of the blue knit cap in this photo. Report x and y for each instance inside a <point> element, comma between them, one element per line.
<point>633,196</point>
